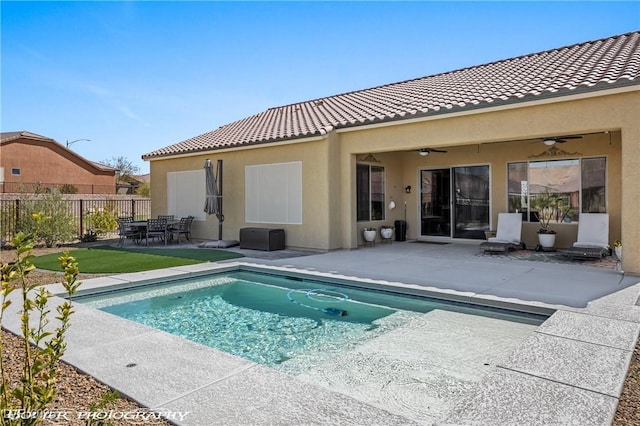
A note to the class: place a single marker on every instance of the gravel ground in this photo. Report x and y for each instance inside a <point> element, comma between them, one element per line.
<point>77,391</point>
<point>628,413</point>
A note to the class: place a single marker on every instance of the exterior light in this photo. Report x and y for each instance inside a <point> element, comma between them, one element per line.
<point>69,143</point>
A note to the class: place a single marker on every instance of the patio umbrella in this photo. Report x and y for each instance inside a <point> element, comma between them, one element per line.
<point>213,201</point>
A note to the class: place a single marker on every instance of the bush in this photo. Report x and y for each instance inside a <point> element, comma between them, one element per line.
<point>7,220</point>
<point>67,188</point>
<point>42,349</point>
<point>144,190</point>
<point>101,221</point>
<point>59,227</point>
<point>89,237</point>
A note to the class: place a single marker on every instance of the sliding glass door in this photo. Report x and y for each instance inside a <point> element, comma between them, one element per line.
<point>435,194</point>
<point>454,202</point>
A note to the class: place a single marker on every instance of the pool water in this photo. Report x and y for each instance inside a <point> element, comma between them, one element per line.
<point>284,322</point>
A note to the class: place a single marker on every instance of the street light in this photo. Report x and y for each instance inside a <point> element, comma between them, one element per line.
<point>77,140</point>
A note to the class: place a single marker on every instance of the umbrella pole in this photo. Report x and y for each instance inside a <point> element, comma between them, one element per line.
<point>219,183</point>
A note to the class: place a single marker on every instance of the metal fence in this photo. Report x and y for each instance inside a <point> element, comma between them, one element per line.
<point>12,210</point>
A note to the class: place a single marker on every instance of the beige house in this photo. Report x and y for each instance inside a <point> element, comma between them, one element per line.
<point>449,151</point>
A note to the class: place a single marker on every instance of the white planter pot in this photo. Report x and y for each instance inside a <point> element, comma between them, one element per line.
<point>547,240</point>
<point>386,233</point>
<point>618,251</point>
<point>369,235</point>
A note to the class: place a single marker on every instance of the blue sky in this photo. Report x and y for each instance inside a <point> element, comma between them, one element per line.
<point>137,76</point>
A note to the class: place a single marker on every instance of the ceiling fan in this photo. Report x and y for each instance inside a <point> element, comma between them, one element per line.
<point>559,139</point>
<point>426,151</point>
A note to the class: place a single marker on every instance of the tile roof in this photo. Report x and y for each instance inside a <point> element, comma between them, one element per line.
<point>595,65</point>
<point>6,137</point>
<point>10,136</point>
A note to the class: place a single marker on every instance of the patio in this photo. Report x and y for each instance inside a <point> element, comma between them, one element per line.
<point>569,371</point>
<point>525,275</point>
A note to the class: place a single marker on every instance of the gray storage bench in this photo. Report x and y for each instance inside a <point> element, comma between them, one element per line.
<point>262,239</point>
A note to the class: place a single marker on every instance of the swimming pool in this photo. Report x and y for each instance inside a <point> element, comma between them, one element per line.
<point>282,321</point>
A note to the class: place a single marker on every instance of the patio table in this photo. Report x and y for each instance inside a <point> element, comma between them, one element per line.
<point>141,226</point>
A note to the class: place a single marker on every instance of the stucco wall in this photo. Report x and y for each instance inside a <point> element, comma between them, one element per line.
<point>48,163</point>
<point>487,136</point>
<point>317,205</point>
<point>471,140</point>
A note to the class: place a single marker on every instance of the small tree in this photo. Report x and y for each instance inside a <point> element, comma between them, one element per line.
<point>144,189</point>
<point>99,222</point>
<point>60,225</point>
<point>125,167</point>
<point>550,207</point>
<point>42,349</point>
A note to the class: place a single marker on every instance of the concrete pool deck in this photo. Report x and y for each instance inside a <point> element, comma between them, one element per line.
<point>570,370</point>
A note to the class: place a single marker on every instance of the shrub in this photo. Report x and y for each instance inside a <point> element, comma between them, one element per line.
<point>101,221</point>
<point>7,220</point>
<point>42,349</point>
<point>60,226</point>
<point>67,188</point>
<point>144,190</point>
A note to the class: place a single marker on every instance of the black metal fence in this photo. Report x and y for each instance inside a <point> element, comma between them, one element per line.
<point>12,210</point>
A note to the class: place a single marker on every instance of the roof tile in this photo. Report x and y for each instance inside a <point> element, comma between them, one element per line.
<point>593,65</point>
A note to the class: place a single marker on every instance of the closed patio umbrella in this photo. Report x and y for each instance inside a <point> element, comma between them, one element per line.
<point>213,201</point>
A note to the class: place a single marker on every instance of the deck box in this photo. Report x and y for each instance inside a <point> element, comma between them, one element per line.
<point>262,239</point>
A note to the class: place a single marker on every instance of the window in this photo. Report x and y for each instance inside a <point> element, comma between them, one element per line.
<point>594,185</point>
<point>186,194</point>
<point>574,186</point>
<point>273,193</point>
<point>369,192</point>
<point>15,172</point>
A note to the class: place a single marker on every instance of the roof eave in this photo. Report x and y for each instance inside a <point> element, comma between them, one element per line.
<point>317,135</point>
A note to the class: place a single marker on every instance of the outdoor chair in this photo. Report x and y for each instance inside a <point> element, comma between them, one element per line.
<point>593,237</point>
<point>156,228</point>
<point>182,228</point>
<point>508,235</point>
<point>126,231</point>
<point>166,216</point>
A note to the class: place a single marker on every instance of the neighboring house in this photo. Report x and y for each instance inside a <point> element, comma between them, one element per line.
<point>29,161</point>
<point>129,184</point>
<point>323,169</point>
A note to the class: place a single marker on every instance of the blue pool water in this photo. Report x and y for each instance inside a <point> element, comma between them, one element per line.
<point>279,321</point>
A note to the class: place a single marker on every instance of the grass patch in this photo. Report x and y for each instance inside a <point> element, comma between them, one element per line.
<point>205,255</point>
<point>109,260</point>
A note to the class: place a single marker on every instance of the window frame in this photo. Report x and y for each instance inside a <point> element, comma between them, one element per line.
<point>528,217</point>
<point>368,197</point>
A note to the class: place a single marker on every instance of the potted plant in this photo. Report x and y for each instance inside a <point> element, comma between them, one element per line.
<point>548,205</point>
<point>369,234</point>
<point>386,232</point>
<point>617,247</point>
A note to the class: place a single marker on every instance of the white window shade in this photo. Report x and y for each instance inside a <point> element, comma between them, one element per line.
<point>273,193</point>
<point>186,194</point>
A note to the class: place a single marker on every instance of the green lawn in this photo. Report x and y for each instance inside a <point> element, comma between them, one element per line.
<point>110,260</point>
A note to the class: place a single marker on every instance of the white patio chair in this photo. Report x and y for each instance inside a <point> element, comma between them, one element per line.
<point>593,237</point>
<point>508,235</point>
